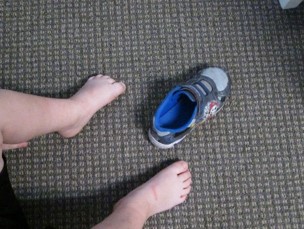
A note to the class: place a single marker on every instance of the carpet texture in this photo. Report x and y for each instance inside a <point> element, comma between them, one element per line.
<point>247,163</point>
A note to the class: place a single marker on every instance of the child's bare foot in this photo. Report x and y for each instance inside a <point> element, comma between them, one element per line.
<point>162,192</point>
<point>97,92</point>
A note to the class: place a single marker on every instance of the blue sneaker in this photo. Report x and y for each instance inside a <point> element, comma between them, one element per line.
<point>188,105</point>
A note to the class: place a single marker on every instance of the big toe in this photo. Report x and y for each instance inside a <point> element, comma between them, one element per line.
<point>179,167</point>
<point>118,87</point>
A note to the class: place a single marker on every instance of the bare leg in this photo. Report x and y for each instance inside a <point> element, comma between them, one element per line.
<point>165,190</point>
<point>23,116</point>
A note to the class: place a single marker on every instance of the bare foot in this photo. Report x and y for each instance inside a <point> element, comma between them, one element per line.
<point>162,192</point>
<point>97,92</point>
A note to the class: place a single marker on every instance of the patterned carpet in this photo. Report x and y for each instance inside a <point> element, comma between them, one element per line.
<point>247,164</point>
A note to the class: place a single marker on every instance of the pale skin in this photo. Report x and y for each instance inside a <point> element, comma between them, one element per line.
<point>162,192</point>
<point>24,116</point>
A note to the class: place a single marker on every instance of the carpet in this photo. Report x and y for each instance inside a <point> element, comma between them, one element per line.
<point>247,163</point>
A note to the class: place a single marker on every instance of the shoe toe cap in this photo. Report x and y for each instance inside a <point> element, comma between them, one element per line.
<point>219,77</point>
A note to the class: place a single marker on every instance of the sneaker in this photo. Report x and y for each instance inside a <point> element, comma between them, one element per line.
<point>188,105</point>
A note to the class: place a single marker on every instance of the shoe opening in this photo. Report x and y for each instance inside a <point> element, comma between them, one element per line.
<point>176,112</point>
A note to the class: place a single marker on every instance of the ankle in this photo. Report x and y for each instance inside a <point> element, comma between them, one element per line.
<point>81,102</point>
<point>81,108</point>
<point>76,110</point>
<point>77,103</point>
<point>138,209</point>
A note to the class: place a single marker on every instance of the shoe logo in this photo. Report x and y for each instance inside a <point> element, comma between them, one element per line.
<point>211,109</point>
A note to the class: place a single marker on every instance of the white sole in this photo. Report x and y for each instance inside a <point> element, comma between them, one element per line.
<point>160,145</point>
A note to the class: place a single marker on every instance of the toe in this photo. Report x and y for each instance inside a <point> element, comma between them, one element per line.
<point>96,77</point>
<point>120,87</point>
<point>187,183</point>
<point>185,175</point>
<point>183,198</point>
<point>111,81</point>
<point>186,191</point>
<point>180,167</point>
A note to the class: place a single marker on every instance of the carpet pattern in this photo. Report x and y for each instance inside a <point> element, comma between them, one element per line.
<point>247,163</point>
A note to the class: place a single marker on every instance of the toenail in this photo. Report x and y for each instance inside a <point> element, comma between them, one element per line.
<point>121,83</point>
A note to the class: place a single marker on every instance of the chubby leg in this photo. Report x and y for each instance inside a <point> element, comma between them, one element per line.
<point>24,116</point>
<point>162,192</point>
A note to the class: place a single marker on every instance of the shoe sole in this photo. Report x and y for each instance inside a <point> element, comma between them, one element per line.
<point>160,145</point>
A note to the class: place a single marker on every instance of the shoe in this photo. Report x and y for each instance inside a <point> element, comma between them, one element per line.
<point>188,105</point>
